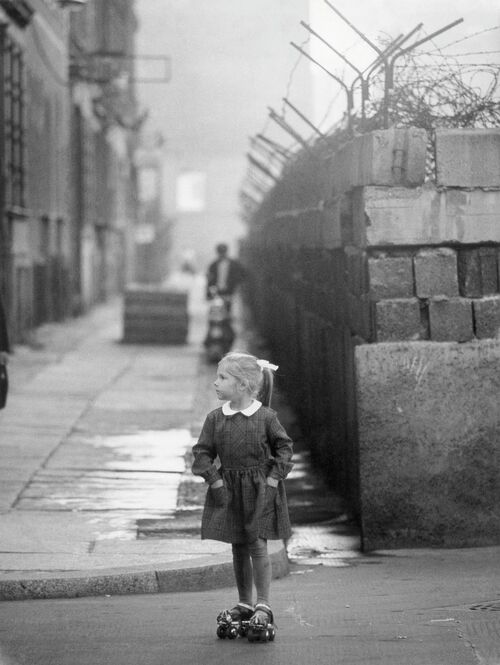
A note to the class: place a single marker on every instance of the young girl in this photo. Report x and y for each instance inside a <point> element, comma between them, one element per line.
<point>246,501</point>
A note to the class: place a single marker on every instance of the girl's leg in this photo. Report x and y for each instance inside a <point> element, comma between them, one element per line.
<point>243,572</point>
<point>261,569</point>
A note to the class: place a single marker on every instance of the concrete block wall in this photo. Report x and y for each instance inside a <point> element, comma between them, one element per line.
<point>372,256</point>
<point>449,292</point>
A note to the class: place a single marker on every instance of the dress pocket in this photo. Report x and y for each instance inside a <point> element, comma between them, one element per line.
<point>270,496</point>
<point>219,496</point>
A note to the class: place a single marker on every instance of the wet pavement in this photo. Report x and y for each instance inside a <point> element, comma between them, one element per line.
<point>138,472</point>
<point>97,498</point>
<point>104,479</point>
<point>95,445</point>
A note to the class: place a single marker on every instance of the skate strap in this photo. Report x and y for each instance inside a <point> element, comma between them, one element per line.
<point>263,608</point>
<point>244,606</point>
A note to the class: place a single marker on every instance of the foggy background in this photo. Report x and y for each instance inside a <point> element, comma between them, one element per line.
<point>229,61</point>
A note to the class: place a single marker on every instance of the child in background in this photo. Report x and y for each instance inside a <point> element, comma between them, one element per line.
<point>246,501</point>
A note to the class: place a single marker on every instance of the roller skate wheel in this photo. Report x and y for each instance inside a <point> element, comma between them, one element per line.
<point>232,633</point>
<point>221,632</point>
<point>272,635</point>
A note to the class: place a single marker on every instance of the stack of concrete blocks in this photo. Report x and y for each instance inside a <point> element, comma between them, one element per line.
<point>382,295</point>
<point>155,315</point>
<point>428,392</point>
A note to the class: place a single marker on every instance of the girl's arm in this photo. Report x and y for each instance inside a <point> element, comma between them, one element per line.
<point>204,453</point>
<point>282,449</point>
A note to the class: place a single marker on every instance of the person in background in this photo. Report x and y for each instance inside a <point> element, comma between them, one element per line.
<point>4,338</point>
<point>4,356</point>
<point>224,274</point>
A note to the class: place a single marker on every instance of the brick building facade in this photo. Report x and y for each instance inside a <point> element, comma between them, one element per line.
<point>65,157</point>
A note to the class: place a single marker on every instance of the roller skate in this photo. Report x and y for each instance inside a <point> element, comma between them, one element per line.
<point>261,627</point>
<point>231,623</point>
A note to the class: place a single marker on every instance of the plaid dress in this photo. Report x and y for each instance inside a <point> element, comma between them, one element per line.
<point>249,448</point>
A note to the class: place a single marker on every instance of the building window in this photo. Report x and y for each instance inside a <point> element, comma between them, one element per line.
<point>12,143</point>
<point>191,191</point>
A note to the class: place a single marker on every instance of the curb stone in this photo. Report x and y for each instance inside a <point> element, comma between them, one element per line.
<point>200,577</point>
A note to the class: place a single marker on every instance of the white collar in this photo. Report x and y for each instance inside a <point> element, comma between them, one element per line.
<point>249,411</point>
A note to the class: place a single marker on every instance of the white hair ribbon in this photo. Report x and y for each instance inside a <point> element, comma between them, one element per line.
<point>265,364</point>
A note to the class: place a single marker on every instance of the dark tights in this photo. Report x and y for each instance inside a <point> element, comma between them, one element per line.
<point>252,565</point>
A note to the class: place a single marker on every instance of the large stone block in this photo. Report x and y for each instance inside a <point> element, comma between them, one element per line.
<point>286,228</point>
<point>468,157</point>
<point>488,261</point>
<point>311,225</point>
<point>478,271</point>
<point>487,317</point>
<point>436,273</point>
<point>469,273</point>
<point>384,157</point>
<point>358,217</point>
<point>398,319</point>
<point>331,236</point>
<point>391,277</point>
<point>356,270</point>
<point>359,316</point>
<point>429,459</point>
<point>393,157</point>
<point>425,216</point>
<point>345,165</point>
<point>498,266</point>
<point>451,320</point>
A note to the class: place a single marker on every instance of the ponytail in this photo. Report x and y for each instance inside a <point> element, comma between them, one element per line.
<point>266,389</point>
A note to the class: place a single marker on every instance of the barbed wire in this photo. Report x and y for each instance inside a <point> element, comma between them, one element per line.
<point>291,147</point>
<point>467,37</point>
<point>431,88</point>
<point>463,55</point>
<point>292,74</point>
<point>459,65</point>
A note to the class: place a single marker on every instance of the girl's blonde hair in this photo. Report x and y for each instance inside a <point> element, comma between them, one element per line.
<point>245,367</point>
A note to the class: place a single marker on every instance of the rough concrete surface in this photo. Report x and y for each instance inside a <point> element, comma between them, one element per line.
<point>468,157</point>
<point>426,216</point>
<point>429,431</point>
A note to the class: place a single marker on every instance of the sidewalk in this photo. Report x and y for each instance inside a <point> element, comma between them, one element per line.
<point>96,498</point>
<point>96,494</point>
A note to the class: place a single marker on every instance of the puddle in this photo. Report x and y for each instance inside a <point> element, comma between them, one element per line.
<point>153,450</point>
<point>118,479</point>
<point>332,543</point>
